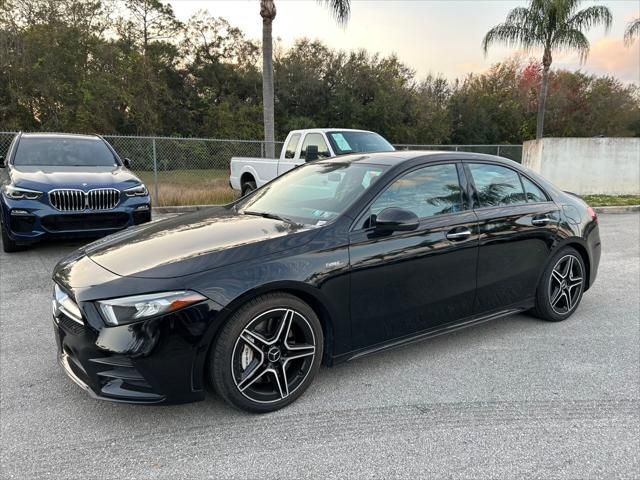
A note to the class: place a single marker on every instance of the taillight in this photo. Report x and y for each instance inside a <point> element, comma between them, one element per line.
<point>592,213</point>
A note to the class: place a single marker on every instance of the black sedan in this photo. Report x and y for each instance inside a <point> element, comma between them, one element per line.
<point>332,261</point>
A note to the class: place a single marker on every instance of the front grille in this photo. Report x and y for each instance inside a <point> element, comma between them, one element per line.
<point>73,200</point>
<point>86,221</point>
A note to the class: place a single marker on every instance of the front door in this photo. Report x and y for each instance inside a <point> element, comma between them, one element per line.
<point>407,282</point>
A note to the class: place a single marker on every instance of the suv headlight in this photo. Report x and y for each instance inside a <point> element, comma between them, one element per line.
<point>137,191</point>
<point>16,193</point>
<point>120,311</point>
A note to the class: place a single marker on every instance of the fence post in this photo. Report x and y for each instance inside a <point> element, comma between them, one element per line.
<point>261,149</point>
<point>456,148</point>
<point>155,172</point>
<point>498,153</point>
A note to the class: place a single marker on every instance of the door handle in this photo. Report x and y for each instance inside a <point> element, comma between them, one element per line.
<point>542,220</point>
<point>458,234</point>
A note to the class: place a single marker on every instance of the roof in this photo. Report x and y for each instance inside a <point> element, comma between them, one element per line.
<point>401,156</point>
<point>328,130</point>
<point>60,135</point>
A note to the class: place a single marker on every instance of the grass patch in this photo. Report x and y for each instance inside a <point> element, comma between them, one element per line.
<point>189,187</point>
<point>611,200</point>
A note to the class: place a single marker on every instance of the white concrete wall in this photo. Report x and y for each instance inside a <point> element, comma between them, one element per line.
<point>609,166</point>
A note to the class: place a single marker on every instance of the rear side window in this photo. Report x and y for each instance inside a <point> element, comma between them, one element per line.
<point>428,191</point>
<point>533,192</point>
<point>290,152</point>
<point>497,185</point>
<point>318,140</point>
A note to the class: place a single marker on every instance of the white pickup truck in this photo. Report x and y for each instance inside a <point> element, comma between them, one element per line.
<point>249,173</point>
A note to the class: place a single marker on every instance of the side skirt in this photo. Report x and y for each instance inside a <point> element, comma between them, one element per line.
<point>435,332</point>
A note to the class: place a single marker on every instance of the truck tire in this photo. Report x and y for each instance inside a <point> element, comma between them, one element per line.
<point>248,187</point>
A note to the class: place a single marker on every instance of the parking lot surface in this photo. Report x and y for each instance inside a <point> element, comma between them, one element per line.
<point>512,398</point>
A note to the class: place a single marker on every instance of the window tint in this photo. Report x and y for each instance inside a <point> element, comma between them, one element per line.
<point>428,191</point>
<point>290,152</point>
<point>318,140</point>
<point>496,185</point>
<point>534,194</point>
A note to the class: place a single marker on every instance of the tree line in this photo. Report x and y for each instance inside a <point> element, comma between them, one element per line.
<point>133,68</point>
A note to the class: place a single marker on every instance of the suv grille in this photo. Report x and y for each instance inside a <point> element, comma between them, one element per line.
<point>73,200</point>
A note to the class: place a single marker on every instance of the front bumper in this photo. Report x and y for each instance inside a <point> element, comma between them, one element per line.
<point>30,221</point>
<point>160,360</point>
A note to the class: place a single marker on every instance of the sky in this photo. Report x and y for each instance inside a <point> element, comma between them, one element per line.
<point>431,36</point>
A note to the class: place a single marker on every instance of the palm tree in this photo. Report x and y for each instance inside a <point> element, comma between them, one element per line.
<point>549,25</point>
<point>340,9</point>
<point>632,31</point>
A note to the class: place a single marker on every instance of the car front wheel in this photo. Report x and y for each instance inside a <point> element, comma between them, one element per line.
<point>561,286</point>
<point>267,354</point>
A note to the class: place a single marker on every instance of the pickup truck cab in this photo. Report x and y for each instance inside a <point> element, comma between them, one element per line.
<point>300,146</point>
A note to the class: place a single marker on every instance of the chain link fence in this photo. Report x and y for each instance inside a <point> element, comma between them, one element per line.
<point>195,171</point>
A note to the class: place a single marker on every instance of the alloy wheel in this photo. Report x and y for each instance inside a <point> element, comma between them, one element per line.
<point>273,355</point>
<point>565,284</point>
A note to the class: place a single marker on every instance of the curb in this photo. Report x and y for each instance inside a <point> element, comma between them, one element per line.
<point>181,208</point>
<point>618,209</point>
<point>194,208</point>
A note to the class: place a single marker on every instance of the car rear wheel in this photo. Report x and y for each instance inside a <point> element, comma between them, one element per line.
<point>561,287</point>
<point>8,245</point>
<point>267,354</point>
<point>248,187</point>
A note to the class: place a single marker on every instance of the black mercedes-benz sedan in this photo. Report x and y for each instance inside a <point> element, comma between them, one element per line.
<point>334,260</point>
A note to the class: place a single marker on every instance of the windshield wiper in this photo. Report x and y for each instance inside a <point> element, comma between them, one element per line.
<point>272,216</point>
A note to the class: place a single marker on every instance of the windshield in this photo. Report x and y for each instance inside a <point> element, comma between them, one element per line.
<point>358,142</point>
<point>313,194</point>
<point>63,152</point>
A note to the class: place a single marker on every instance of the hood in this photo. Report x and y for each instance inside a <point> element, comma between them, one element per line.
<point>193,243</point>
<point>44,178</point>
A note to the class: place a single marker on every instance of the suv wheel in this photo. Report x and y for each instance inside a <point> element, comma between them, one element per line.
<point>8,245</point>
<point>267,354</point>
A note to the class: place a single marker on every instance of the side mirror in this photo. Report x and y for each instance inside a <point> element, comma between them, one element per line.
<point>128,162</point>
<point>2,164</point>
<point>311,153</point>
<point>395,219</point>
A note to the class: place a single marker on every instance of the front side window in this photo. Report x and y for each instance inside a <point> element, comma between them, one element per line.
<point>496,185</point>
<point>318,140</point>
<point>315,193</point>
<point>429,191</point>
<point>63,152</point>
<point>290,152</point>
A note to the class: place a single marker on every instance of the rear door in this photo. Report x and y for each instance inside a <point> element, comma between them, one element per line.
<point>406,282</point>
<point>517,228</point>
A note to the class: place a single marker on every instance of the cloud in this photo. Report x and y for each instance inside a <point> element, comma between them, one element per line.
<point>608,56</point>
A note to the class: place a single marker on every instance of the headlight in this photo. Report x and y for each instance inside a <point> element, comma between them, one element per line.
<point>16,193</point>
<point>138,191</point>
<point>119,311</point>
<point>63,303</point>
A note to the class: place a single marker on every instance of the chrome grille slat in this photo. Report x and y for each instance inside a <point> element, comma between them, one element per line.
<point>72,200</point>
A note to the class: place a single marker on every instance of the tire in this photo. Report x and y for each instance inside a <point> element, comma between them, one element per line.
<point>267,354</point>
<point>248,187</point>
<point>8,245</point>
<point>561,286</point>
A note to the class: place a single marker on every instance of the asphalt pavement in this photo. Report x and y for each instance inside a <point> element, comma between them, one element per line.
<point>512,398</point>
